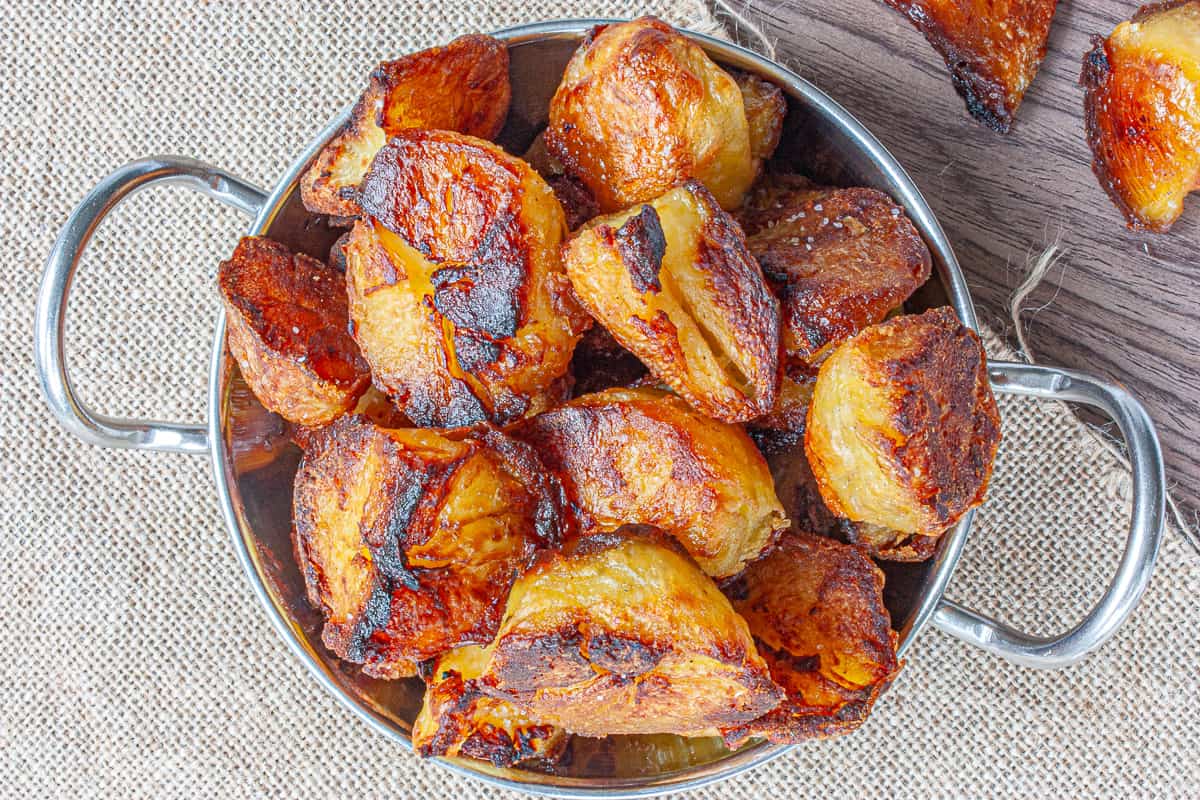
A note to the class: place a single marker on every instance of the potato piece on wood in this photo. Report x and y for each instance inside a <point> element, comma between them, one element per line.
<point>993,49</point>
<point>408,541</point>
<point>644,457</point>
<point>1142,112</point>
<point>458,720</point>
<point>640,109</point>
<point>286,318</point>
<point>839,259</point>
<point>903,428</point>
<point>815,608</point>
<point>461,87</point>
<point>673,281</point>
<point>622,634</point>
<point>457,293</point>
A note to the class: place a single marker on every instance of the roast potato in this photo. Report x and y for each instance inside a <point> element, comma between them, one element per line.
<point>456,288</point>
<point>903,428</point>
<point>839,259</point>
<point>640,109</point>
<point>460,87</point>
<point>458,720</point>
<point>993,49</point>
<point>622,634</point>
<point>673,281</point>
<point>815,609</point>
<point>1142,112</point>
<point>286,323</point>
<point>601,363</point>
<point>765,110</point>
<point>644,457</point>
<point>408,541</point>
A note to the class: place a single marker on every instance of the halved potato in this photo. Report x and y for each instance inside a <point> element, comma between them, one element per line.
<point>640,109</point>
<point>408,541</point>
<point>286,318</point>
<point>673,281</point>
<point>622,634</point>
<point>815,608</point>
<point>644,457</point>
<point>1142,112</point>
<point>460,87</point>
<point>457,293</point>
<point>839,259</point>
<point>992,49</point>
<point>903,428</point>
<point>458,720</point>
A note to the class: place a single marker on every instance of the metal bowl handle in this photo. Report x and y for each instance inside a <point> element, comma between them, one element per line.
<point>1145,529</point>
<point>49,323</point>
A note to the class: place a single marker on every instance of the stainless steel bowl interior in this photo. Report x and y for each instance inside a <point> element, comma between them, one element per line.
<point>255,463</point>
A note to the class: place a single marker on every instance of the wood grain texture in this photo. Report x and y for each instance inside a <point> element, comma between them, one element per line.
<point>1120,303</point>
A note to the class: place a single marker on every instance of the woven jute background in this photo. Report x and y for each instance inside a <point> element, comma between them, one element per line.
<point>134,661</point>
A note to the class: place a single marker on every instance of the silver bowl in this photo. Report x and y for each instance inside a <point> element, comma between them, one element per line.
<point>254,464</point>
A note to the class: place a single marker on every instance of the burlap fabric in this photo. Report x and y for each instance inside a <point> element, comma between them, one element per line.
<point>133,658</point>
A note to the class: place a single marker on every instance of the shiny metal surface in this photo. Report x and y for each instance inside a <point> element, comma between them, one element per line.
<point>1145,527</point>
<point>253,461</point>
<point>50,320</point>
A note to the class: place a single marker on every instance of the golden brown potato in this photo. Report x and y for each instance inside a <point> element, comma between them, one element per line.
<point>460,87</point>
<point>815,608</point>
<point>622,634</point>
<point>286,319</point>
<point>457,293</point>
<point>673,281</point>
<point>408,541</point>
<point>886,544</point>
<point>458,720</point>
<point>839,259</point>
<point>644,457</point>
<point>577,202</point>
<point>1142,112</point>
<point>796,383</point>
<point>903,428</point>
<point>993,49</point>
<point>765,110</point>
<point>640,109</point>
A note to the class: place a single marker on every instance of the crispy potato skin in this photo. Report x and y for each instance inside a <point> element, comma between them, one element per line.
<point>765,110</point>
<point>1142,112</point>
<point>456,288</point>
<point>675,284</point>
<point>622,634</point>
<point>640,109</point>
<point>458,720</point>
<point>408,541</point>
<point>993,49</point>
<point>815,608</point>
<point>644,457</point>
<point>903,428</point>
<point>839,259</point>
<point>461,87</point>
<point>286,316</point>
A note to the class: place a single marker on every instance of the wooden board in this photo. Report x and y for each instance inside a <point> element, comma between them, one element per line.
<point>1120,304</point>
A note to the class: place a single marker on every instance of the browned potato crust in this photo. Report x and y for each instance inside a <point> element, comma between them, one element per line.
<point>673,281</point>
<point>460,87</point>
<point>640,109</point>
<point>622,634</point>
<point>815,608</point>
<point>1142,112</point>
<point>458,719</point>
<point>644,457</point>
<point>601,363</point>
<point>765,110</point>
<point>286,320</point>
<point>457,293</point>
<point>408,541</point>
<point>992,49</point>
<point>578,204</point>
<point>903,428</point>
<point>839,259</point>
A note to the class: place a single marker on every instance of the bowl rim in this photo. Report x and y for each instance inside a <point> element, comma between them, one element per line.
<point>905,192</point>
